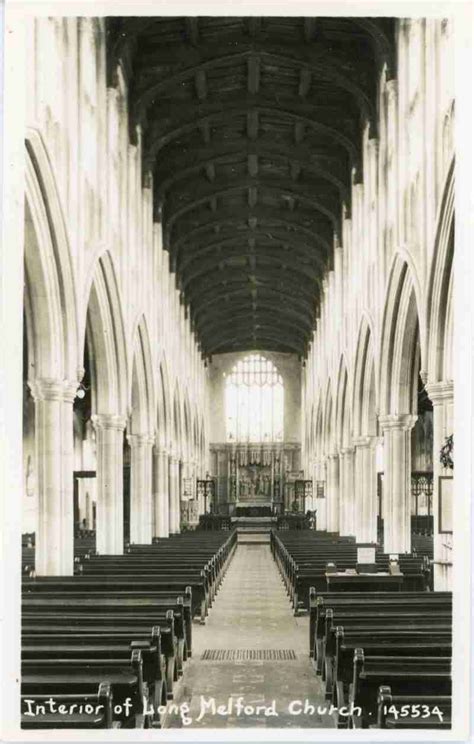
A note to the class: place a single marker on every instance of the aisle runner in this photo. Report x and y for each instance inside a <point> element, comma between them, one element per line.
<point>223,685</point>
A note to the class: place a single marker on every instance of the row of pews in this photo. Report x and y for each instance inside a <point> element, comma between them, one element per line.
<point>108,645</point>
<point>304,558</point>
<point>384,658</point>
<point>84,545</point>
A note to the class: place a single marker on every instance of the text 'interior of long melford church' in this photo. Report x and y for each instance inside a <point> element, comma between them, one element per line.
<point>238,427</point>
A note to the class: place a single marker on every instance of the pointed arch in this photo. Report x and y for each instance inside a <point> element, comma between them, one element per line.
<point>142,389</point>
<point>104,328</point>
<point>439,305</point>
<point>163,406</point>
<point>328,421</point>
<point>364,394</point>
<point>50,295</point>
<point>401,350</point>
<point>177,428</point>
<point>343,422</point>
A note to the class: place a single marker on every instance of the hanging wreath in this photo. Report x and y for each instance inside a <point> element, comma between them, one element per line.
<point>446,453</point>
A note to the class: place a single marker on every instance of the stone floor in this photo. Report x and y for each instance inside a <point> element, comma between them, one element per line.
<point>251,611</point>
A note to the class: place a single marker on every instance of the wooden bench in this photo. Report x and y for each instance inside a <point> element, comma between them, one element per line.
<point>53,677</point>
<point>69,711</point>
<point>80,588</point>
<point>405,676</point>
<point>412,711</point>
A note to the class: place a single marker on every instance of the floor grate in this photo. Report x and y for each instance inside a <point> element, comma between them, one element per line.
<point>248,654</point>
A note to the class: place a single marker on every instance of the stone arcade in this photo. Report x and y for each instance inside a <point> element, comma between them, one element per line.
<point>238,240</point>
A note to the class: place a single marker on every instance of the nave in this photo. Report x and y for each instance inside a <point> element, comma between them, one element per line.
<point>252,614</point>
<point>236,242</point>
<point>123,632</point>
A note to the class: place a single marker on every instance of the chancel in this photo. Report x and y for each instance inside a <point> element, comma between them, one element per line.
<point>238,240</point>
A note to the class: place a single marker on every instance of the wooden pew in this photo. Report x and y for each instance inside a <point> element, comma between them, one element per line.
<point>53,677</point>
<point>69,711</point>
<point>412,711</point>
<point>84,588</point>
<point>115,614</point>
<point>405,676</point>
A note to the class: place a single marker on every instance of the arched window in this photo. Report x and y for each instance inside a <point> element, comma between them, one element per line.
<point>254,401</point>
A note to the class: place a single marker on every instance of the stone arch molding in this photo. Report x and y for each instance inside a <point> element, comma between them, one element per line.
<point>106,335</point>
<point>343,419</point>
<point>400,328</point>
<point>440,287</point>
<point>163,406</point>
<point>364,386</point>
<point>142,389</point>
<point>51,302</point>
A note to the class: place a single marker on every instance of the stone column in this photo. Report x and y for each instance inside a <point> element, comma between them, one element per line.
<point>365,502</point>
<point>141,511</point>
<point>442,397</point>
<point>397,482</point>
<point>160,493</point>
<point>109,446</point>
<point>174,505</point>
<point>347,495</point>
<point>333,492</point>
<point>54,463</point>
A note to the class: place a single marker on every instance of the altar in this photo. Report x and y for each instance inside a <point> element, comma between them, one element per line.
<point>253,509</point>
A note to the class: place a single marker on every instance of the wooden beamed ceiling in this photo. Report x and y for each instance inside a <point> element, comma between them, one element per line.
<point>252,129</point>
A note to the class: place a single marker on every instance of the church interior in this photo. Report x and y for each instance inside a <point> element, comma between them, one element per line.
<point>237,373</point>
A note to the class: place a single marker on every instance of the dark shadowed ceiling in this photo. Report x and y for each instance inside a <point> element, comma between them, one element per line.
<point>252,128</point>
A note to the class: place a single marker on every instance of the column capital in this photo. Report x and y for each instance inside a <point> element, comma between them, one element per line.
<point>347,451</point>
<point>364,441</point>
<point>161,451</point>
<point>107,421</point>
<point>140,440</point>
<point>391,87</point>
<point>332,456</point>
<point>398,421</point>
<point>52,389</point>
<point>439,392</point>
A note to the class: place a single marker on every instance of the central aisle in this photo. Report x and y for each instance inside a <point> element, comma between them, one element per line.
<point>251,612</point>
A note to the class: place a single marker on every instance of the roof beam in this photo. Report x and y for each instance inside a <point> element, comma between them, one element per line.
<point>294,111</point>
<point>192,30</point>
<point>277,237</point>
<point>201,85</point>
<point>229,217</point>
<point>309,29</point>
<point>305,82</point>
<point>253,74</point>
<point>319,164</point>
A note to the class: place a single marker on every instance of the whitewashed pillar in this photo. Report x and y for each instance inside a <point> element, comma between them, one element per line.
<point>160,493</point>
<point>54,461</point>
<point>397,482</point>
<point>365,503</point>
<point>174,494</point>
<point>109,446</point>
<point>332,463</point>
<point>442,397</point>
<point>347,495</point>
<point>141,511</point>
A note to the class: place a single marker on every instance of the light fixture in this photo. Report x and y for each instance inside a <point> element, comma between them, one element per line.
<point>81,391</point>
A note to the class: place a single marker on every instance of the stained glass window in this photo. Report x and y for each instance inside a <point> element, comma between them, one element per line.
<point>254,401</point>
